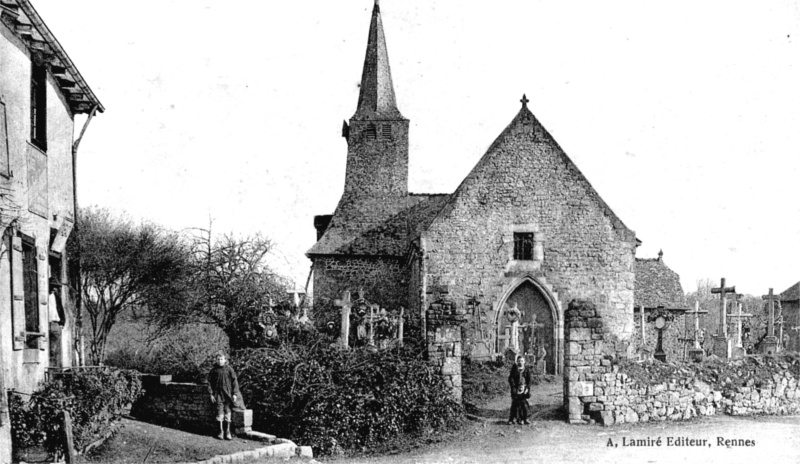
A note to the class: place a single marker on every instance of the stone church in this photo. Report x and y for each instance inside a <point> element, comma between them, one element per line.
<point>525,230</point>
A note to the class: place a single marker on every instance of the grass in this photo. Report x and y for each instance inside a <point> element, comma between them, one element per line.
<point>139,442</point>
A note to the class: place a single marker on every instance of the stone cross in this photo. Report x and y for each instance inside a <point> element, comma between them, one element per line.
<point>696,314</point>
<point>723,291</point>
<point>739,316</point>
<point>770,301</point>
<point>524,101</point>
<point>346,305</point>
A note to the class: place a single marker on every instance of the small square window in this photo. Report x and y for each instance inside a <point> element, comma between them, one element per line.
<point>523,246</point>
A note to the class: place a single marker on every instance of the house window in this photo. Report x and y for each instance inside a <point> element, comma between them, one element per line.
<point>371,132</point>
<point>386,131</point>
<point>39,106</point>
<point>523,246</point>
<point>30,276</point>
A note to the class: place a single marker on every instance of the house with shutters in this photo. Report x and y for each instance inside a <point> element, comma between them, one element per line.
<point>525,230</point>
<point>41,92</point>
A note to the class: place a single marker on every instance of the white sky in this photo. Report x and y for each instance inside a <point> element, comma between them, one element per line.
<point>684,115</point>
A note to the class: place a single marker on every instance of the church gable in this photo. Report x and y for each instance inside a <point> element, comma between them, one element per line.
<point>525,169</point>
<point>526,212</point>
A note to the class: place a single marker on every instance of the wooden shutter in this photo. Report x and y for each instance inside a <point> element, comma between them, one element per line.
<point>18,291</point>
<point>43,296</point>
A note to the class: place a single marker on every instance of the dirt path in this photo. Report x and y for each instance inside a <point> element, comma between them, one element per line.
<point>772,439</point>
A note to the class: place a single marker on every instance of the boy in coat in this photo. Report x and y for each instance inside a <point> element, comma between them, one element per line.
<point>223,386</point>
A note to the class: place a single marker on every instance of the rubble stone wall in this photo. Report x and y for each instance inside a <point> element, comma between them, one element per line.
<point>444,343</point>
<point>184,406</point>
<point>384,280</point>
<point>600,388</point>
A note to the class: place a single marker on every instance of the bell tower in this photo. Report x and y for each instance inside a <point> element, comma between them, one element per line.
<point>377,135</point>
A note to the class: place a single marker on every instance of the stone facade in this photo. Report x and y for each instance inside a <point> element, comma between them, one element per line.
<point>41,91</point>
<point>444,342</point>
<point>524,188</point>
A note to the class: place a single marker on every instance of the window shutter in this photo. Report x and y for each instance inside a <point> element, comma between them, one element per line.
<point>44,293</point>
<point>18,291</point>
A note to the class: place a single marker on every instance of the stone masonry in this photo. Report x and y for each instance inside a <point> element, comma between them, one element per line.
<point>598,389</point>
<point>184,406</point>
<point>444,342</point>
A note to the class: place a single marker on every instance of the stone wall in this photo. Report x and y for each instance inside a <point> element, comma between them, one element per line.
<point>384,280</point>
<point>602,386</point>
<point>185,406</point>
<point>443,337</point>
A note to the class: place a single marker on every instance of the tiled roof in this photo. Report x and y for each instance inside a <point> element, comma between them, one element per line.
<point>657,285</point>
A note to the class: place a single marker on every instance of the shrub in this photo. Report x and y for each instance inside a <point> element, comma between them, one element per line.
<point>185,353</point>
<point>93,398</point>
<point>353,400</point>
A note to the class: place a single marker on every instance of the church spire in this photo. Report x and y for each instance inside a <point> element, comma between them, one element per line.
<point>376,97</point>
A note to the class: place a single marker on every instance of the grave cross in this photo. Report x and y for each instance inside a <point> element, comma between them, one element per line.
<point>723,291</point>
<point>771,322</point>
<point>346,304</point>
<point>696,314</point>
<point>739,316</point>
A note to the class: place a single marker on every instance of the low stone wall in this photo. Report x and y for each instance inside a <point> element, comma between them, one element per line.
<point>602,385</point>
<point>184,406</point>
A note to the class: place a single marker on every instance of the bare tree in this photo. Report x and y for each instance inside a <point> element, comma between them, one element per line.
<point>125,266</point>
<point>231,285</point>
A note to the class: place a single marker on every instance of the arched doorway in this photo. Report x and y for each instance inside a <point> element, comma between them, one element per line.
<point>537,327</point>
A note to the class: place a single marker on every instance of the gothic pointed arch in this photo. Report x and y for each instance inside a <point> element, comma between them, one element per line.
<point>539,332</point>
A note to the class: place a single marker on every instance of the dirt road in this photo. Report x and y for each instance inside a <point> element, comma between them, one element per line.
<point>773,440</point>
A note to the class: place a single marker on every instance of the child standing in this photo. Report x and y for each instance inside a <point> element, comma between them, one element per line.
<point>222,386</point>
<point>520,381</point>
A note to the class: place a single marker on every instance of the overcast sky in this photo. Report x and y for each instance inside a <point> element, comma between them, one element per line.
<point>684,115</point>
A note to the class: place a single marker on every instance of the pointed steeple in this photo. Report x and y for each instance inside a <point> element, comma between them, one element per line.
<point>376,97</point>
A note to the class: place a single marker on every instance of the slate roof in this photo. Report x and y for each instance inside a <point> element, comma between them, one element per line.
<point>657,285</point>
<point>792,293</point>
<point>383,228</point>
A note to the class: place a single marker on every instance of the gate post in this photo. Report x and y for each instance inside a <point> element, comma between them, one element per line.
<point>443,338</point>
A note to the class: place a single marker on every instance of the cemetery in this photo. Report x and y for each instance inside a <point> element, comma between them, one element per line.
<point>511,303</point>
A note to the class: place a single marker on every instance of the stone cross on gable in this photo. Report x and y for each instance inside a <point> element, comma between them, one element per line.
<point>346,304</point>
<point>524,101</point>
<point>770,303</point>
<point>723,292</point>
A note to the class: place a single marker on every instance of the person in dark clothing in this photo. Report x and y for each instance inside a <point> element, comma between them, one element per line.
<point>223,387</point>
<point>520,381</point>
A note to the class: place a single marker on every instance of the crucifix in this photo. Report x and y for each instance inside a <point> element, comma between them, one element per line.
<point>346,305</point>
<point>770,342</point>
<point>723,292</point>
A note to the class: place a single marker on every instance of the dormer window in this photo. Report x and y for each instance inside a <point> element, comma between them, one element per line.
<point>371,132</point>
<point>39,106</point>
<point>523,246</point>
